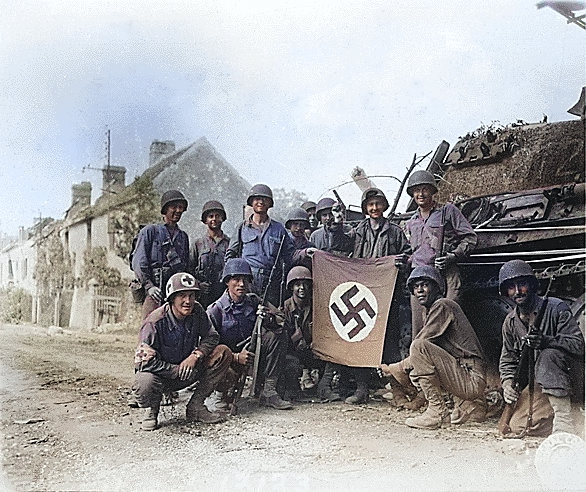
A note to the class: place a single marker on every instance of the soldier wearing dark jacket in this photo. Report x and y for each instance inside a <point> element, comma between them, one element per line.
<point>207,254</point>
<point>333,236</point>
<point>375,237</point>
<point>557,341</point>
<point>234,316</point>
<point>161,250</point>
<point>297,223</point>
<point>177,347</point>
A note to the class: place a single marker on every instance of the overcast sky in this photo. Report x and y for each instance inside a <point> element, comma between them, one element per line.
<point>293,94</point>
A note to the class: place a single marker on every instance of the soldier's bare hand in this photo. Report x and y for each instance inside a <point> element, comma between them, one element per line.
<point>510,394</point>
<point>245,357</point>
<point>187,367</point>
<point>155,293</point>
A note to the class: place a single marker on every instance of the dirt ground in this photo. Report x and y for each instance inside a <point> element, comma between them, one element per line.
<point>65,425</point>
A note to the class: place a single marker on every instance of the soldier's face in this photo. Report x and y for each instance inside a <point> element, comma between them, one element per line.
<point>173,212</point>
<point>423,196</point>
<point>426,292</point>
<point>326,216</point>
<point>261,204</point>
<point>214,220</point>
<point>297,228</point>
<point>183,303</point>
<point>312,218</point>
<point>301,289</point>
<point>238,287</point>
<point>374,208</point>
<point>519,290</point>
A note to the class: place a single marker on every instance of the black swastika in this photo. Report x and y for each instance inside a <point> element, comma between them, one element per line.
<point>353,311</point>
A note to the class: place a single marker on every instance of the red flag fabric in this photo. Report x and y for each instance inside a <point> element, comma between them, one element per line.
<point>351,302</point>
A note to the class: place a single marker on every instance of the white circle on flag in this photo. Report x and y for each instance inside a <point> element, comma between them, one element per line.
<point>353,311</point>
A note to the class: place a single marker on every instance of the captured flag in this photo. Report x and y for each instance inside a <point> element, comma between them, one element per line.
<point>351,301</point>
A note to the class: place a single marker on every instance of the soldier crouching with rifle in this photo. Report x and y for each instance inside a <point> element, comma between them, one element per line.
<point>541,343</point>
<point>234,316</point>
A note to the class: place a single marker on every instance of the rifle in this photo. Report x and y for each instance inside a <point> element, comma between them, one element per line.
<point>255,342</point>
<point>524,376</point>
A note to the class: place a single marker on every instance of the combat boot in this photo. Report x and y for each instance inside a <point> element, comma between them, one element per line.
<point>196,410</point>
<point>466,410</point>
<point>360,395</point>
<point>149,421</point>
<point>216,401</point>
<point>324,387</point>
<point>417,401</point>
<point>562,418</point>
<point>436,413</point>
<point>270,398</point>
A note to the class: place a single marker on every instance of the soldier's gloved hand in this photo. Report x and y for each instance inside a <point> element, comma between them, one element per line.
<point>204,287</point>
<point>534,340</point>
<point>442,262</point>
<point>510,394</point>
<point>155,293</point>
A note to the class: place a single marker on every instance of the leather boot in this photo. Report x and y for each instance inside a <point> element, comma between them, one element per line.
<point>562,419</point>
<point>196,410</point>
<point>324,387</point>
<point>361,393</point>
<point>270,398</point>
<point>397,396</point>
<point>468,410</point>
<point>436,413</point>
<point>151,414</point>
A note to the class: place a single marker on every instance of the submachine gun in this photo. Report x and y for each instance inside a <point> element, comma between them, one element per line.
<point>253,344</point>
<point>524,376</point>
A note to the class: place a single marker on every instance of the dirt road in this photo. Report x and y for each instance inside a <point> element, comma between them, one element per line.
<point>65,425</point>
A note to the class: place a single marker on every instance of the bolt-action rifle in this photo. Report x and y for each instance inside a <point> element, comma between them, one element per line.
<point>524,376</point>
<point>255,342</point>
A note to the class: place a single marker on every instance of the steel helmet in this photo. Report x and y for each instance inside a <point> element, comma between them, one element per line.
<point>308,205</point>
<point>322,205</point>
<point>515,269</point>
<point>172,196</point>
<point>298,273</point>
<point>212,205</point>
<point>297,214</point>
<point>371,193</point>
<point>235,266</point>
<point>259,190</point>
<point>180,282</point>
<point>421,178</point>
<point>427,272</point>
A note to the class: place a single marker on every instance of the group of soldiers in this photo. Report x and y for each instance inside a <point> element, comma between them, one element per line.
<point>204,302</point>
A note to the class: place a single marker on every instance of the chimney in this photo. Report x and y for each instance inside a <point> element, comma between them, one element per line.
<point>81,194</point>
<point>113,180</point>
<point>22,234</point>
<point>159,149</point>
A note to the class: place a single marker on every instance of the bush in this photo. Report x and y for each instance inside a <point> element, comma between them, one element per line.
<point>15,306</point>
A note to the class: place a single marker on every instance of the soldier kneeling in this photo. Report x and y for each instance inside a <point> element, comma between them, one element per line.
<point>178,347</point>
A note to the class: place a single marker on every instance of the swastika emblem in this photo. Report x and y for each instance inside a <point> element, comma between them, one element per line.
<point>353,311</point>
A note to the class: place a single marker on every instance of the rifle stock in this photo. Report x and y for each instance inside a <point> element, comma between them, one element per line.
<point>524,376</point>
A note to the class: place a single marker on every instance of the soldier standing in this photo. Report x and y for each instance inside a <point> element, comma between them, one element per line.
<point>207,253</point>
<point>556,339</point>
<point>257,240</point>
<point>439,235</point>
<point>313,224</point>
<point>297,223</point>
<point>333,237</point>
<point>161,251</point>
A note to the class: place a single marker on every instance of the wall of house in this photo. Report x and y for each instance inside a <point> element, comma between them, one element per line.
<point>17,266</point>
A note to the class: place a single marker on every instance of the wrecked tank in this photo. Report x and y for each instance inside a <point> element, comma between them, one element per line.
<point>522,188</point>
